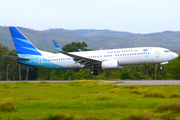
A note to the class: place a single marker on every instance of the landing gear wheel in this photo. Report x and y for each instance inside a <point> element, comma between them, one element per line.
<point>94,72</point>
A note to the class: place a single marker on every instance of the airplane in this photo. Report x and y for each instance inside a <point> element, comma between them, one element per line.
<point>110,59</point>
<point>59,49</point>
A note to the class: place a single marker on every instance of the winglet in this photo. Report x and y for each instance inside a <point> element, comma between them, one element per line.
<point>57,47</point>
<point>79,50</point>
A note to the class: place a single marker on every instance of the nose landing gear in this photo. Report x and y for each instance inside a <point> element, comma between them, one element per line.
<point>161,67</point>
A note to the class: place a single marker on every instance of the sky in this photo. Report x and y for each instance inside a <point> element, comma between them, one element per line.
<point>135,16</point>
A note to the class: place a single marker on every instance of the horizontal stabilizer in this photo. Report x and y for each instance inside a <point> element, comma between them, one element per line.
<point>15,57</point>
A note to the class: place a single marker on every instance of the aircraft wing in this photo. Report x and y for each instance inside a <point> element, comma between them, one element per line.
<point>15,57</point>
<point>84,61</point>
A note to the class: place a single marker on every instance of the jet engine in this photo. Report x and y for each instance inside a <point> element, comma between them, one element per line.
<point>111,65</point>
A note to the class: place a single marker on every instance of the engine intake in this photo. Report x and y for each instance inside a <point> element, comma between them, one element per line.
<point>111,65</point>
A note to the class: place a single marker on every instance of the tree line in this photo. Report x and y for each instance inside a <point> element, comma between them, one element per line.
<point>134,72</point>
<point>104,39</point>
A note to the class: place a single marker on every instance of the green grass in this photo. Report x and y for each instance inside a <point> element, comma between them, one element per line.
<point>87,100</point>
<point>155,94</point>
<point>174,107</point>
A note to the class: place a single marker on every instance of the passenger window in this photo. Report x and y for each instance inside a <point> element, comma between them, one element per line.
<point>166,51</point>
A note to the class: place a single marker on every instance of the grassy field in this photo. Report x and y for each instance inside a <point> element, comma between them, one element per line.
<point>88,100</point>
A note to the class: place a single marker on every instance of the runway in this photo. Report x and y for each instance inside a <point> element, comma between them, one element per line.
<point>119,82</point>
<point>147,82</point>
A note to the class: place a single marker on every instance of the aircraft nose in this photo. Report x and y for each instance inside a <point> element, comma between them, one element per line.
<point>174,55</point>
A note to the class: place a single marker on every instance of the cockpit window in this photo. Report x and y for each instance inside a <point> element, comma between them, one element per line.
<point>166,51</point>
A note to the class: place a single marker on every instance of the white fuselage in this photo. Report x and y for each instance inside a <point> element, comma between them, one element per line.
<point>126,56</point>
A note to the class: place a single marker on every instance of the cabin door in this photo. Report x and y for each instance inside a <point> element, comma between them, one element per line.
<point>157,53</point>
<point>40,60</point>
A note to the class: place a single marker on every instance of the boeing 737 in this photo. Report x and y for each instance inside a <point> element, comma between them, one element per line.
<point>111,59</point>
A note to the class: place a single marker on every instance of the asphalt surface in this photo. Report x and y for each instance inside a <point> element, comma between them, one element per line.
<point>148,82</point>
<point>119,82</point>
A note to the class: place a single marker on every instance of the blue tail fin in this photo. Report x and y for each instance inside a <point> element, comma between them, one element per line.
<point>22,44</point>
<point>57,47</point>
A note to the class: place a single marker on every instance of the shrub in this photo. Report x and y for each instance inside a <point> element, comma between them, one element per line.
<point>174,107</point>
<point>167,116</point>
<point>59,117</point>
<point>44,82</point>
<point>91,118</point>
<point>7,107</point>
<point>83,83</point>
<point>137,92</point>
<point>22,82</point>
<point>175,95</point>
<point>102,98</point>
<point>139,116</point>
<point>131,87</point>
<point>155,94</point>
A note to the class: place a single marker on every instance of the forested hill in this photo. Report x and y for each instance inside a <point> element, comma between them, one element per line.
<point>105,39</point>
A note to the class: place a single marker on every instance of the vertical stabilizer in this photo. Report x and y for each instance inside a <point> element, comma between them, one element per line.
<point>22,44</point>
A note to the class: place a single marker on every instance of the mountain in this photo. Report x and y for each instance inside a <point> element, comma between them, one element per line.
<point>96,39</point>
<point>109,33</point>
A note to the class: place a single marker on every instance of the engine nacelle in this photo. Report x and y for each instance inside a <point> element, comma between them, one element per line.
<point>111,65</point>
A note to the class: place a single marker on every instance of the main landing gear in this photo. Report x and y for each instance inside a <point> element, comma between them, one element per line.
<point>94,72</point>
